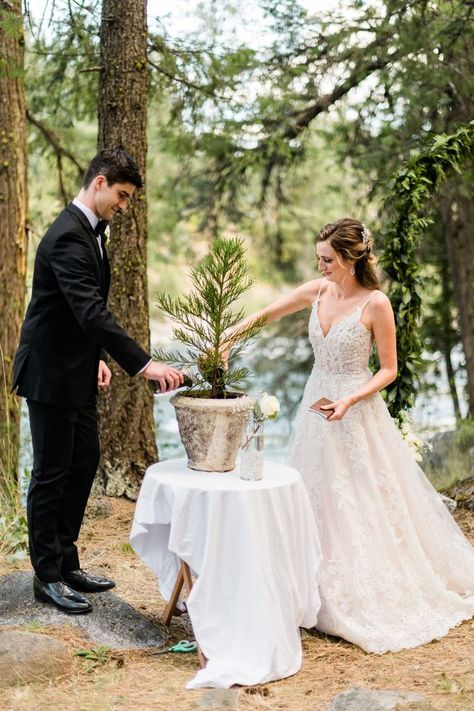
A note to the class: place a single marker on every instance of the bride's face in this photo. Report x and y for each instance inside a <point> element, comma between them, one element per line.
<point>330,263</point>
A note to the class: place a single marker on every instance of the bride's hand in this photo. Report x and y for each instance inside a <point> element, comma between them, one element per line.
<point>339,407</point>
<point>225,353</point>
<point>225,358</point>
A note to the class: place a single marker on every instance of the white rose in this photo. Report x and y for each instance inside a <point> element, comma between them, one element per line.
<point>414,442</point>
<point>269,406</point>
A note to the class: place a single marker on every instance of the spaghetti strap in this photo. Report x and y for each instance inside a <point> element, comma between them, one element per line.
<point>319,292</point>
<point>367,301</point>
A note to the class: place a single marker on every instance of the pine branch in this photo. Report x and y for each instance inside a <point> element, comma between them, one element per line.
<point>59,150</point>
<point>203,317</point>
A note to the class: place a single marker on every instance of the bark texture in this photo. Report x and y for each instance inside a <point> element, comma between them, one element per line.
<point>13,235</point>
<point>126,410</point>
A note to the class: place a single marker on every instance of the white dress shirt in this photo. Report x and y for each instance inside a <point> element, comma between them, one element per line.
<point>93,219</point>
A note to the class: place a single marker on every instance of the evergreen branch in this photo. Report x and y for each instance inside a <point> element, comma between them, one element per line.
<point>238,375</point>
<point>204,316</point>
<point>172,358</point>
<point>186,82</point>
<point>412,190</point>
<point>59,150</point>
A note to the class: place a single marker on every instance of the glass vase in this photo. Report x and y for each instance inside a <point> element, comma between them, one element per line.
<point>252,453</point>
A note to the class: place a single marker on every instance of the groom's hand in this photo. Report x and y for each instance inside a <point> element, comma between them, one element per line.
<point>104,375</point>
<point>169,378</point>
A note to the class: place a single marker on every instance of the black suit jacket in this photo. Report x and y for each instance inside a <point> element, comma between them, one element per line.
<point>67,322</point>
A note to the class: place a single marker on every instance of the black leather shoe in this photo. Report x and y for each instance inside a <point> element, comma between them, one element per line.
<point>80,580</point>
<point>61,596</point>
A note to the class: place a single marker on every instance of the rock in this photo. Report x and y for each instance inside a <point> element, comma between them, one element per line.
<point>450,457</point>
<point>359,699</point>
<point>26,657</point>
<point>99,507</point>
<point>463,493</point>
<point>112,621</point>
<point>441,446</point>
<point>218,699</point>
<point>450,504</point>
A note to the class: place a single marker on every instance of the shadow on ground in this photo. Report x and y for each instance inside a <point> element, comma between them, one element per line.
<point>112,621</point>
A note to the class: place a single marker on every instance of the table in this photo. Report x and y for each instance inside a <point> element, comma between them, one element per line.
<point>255,550</point>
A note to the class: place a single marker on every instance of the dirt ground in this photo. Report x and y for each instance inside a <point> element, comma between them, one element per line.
<point>139,681</point>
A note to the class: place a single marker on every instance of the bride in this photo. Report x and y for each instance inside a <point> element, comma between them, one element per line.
<point>396,571</point>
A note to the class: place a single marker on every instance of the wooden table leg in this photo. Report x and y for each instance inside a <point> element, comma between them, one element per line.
<point>178,586</point>
<point>184,578</point>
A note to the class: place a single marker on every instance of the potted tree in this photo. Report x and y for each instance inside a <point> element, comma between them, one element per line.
<point>211,414</point>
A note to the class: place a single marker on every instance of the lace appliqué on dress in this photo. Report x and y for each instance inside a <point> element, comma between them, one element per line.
<point>397,571</point>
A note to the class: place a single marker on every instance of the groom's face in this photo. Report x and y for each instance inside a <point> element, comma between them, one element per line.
<point>111,199</point>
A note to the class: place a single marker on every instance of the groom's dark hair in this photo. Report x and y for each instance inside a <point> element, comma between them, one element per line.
<point>116,165</point>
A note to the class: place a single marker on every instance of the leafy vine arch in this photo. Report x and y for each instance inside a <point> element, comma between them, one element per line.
<point>410,193</point>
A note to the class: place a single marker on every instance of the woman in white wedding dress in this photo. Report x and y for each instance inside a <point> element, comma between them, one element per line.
<point>396,571</point>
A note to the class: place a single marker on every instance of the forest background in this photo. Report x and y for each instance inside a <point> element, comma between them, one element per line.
<point>267,119</point>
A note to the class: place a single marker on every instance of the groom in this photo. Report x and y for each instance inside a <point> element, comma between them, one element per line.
<point>58,366</point>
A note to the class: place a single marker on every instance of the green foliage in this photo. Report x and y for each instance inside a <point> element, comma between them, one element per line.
<point>13,524</point>
<point>14,534</point>
<point>235,128</point>
<point>11,27</point>
<point>464,438</point>
<point>11,23</point>
<point>205,317</point>
<point>410,194</point>
<point>439,328</point>
<point>451,460</point>
<point>95,656</point>
<point>62,69</point>
<point>34,626</point>
<point>391,76</point>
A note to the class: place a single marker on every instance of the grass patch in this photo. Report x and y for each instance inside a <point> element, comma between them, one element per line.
<point>95,656</point>
<point>34,626</point>
<point>127,548</point>
<point>13,524</point>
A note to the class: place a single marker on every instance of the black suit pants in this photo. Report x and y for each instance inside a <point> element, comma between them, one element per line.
<point>65,459</point>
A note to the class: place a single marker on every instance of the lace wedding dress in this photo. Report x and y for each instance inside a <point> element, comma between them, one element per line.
<point>397,571</point>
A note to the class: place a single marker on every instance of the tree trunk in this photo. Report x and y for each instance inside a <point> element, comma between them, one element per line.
<point>13,236</point>
<point>452,382</point>
<point>448,333</point>
<point>457,211</point>
<point>126,411</point>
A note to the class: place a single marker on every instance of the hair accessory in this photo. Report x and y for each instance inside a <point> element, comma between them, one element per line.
<point>365,234</point>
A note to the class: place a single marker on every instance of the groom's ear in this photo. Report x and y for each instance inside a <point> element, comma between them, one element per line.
<point>99,181</point>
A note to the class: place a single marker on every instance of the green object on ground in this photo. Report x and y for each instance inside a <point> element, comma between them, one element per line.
<point>182,647</point>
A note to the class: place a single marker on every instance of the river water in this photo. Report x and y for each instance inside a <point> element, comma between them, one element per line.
<point>280,361</point>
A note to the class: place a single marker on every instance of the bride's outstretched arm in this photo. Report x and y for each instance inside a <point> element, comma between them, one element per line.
<point>379,318</point>
<point>296,300</point>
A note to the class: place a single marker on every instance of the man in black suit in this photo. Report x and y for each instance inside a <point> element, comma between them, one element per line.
<point>58,366</point>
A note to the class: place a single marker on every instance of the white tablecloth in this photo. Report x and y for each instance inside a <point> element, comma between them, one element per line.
<point>255,549</point>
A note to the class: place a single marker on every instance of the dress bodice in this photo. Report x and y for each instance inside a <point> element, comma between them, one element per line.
<point>345,349</point>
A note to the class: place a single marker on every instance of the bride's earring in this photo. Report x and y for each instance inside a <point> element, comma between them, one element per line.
<point>352,271</point>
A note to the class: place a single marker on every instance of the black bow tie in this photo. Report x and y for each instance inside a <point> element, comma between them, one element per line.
<point>100,228</point>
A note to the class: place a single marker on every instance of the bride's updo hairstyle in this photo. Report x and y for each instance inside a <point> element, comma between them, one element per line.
<point>352,241</point>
